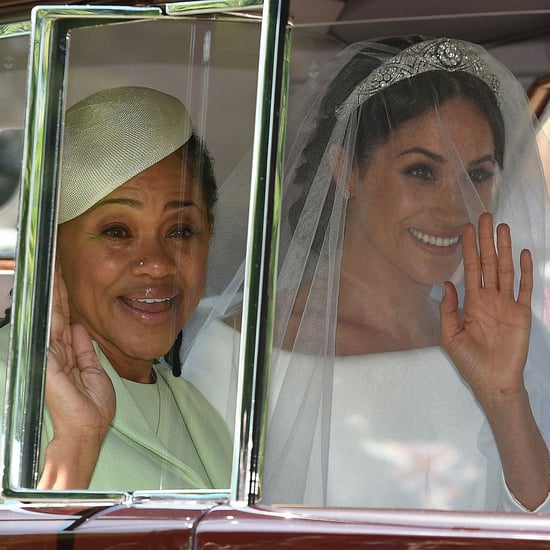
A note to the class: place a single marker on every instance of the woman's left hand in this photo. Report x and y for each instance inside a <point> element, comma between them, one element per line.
<point>489,342</point>
<point>489,345</point>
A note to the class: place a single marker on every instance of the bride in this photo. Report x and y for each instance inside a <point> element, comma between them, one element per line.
<point>407,369</point>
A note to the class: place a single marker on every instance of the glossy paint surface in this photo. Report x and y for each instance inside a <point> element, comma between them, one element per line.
<point>305,529</point>
<point>99,527</point>
<point>176,525</point>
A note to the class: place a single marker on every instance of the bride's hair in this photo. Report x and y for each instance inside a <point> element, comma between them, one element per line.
<point>381,115</point>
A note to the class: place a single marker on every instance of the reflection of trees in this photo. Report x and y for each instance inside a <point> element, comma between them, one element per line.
<point>11,152</point>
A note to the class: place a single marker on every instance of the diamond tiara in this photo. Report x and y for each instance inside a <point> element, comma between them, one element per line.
<point>439,54</point>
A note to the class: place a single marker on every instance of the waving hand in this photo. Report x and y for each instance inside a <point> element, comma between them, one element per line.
<point>489,344</point>
<point>80,398</point>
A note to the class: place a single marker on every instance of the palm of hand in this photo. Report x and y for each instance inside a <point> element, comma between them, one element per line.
<point>490,350</point>
<point>489,343</point>
<point>79,393</point>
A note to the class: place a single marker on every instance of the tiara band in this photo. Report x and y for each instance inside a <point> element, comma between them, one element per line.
<point>440,54</point>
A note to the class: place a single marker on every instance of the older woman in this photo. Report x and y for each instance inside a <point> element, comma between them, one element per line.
<point>135,218</point>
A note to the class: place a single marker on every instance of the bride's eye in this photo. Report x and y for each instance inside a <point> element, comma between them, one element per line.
<point>421,172</point>
<point>481,175</point>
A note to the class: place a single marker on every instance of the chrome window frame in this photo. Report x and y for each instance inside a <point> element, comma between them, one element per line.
<point>23,410</point>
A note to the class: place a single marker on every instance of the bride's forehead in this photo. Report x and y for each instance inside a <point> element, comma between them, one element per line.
<point>453,120</point>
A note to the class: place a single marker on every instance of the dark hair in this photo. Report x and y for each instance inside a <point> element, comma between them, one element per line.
<point>407,99</point>
<point>203,169</point>
<point>7,317</point>
<point>385,111</point>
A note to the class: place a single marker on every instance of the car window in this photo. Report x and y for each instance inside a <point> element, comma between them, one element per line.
<point>347,424</point>
<point>197,63</point>
<point>14,55</point>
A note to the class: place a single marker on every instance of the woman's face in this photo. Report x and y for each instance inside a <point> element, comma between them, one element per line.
<point>409,204</point>
<point>134,264</point>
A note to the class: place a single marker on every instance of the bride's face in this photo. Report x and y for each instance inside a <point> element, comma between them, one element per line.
<point>413,199</point>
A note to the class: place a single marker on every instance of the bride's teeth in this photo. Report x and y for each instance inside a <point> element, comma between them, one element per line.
<point>434,241</point>
<point>152,300</point>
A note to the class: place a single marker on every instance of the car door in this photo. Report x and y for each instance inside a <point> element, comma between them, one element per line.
<point>225,61</point>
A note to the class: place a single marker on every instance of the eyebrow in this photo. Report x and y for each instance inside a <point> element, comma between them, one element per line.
<point>441,159</point>
<point>422,151</point>
<point>172,205</point>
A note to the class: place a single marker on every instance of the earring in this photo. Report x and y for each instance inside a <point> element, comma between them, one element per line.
<point>347,194</point>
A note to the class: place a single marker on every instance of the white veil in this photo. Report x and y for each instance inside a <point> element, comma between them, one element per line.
<point>321,346</point>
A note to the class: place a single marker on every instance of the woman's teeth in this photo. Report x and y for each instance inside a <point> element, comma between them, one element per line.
<point>153,300</point>
<point>154,304</point>
<point>430,239</point>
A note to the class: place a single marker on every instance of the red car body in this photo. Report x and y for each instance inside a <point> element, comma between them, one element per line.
<point>34,520</point>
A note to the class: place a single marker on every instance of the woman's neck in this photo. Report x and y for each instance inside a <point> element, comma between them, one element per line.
<point>129,368</point>
<point>381,309</point>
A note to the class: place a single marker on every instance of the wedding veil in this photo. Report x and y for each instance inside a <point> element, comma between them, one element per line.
<point>336,123</point>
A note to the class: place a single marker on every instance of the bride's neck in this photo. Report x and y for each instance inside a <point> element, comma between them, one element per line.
<point>366,287</point>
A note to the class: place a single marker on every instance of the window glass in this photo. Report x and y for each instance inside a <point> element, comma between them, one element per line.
<point>214,76</point>
<point>154,172</point>
<point>371,400</point>
<point>13,72</point>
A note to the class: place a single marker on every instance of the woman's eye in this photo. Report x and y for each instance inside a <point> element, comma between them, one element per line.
<point>420,171</point>
<point>115,232</point>
<point>183,232</point>
<point>481,175</point>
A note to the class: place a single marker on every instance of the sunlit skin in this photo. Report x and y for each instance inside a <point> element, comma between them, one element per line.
<point>413,189</point>
<point>408,229</point>
<point>135,264</point>
<point>409,193</point>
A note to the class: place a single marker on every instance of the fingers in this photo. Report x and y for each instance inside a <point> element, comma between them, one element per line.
<point>492,267</point>
<point>57,322</point>
<point>487,252</point>
<point>63,294</point>
<point>83,349</point>
<point>505,261</point>
<point>449,319</point>
<point>526,279</point>
<point>470,257</point>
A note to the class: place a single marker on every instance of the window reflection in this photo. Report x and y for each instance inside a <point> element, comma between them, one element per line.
<point>180,248</point>
<point>13,72</point>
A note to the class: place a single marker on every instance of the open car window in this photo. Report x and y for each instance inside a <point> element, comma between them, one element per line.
<point>357,396</point>
<point>216,65</point>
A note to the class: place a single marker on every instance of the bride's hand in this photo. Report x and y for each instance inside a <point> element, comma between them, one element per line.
<point>80,399</point>
<point>489,342</point>
<point>489,346</point>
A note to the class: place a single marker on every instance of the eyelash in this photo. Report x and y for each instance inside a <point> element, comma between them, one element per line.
<point>424,172</point>
<point>109,232</point>
<point>481,175</point>
<point>190,232</point>
<point>184,232</point>
<point>420,171</point>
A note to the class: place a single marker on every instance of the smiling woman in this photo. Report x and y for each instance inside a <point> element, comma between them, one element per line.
<point>409,367</point>
<point>144,249</point>
<point>135,219</point>
<point>405,398</point>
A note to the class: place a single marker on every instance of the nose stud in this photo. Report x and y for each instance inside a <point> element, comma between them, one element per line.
<point>141,263</point>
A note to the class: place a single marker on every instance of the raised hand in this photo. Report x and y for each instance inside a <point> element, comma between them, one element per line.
<point>80,398</point>
<point>489,342</point>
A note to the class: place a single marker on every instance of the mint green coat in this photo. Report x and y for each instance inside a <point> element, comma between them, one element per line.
<point>133,456</point>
